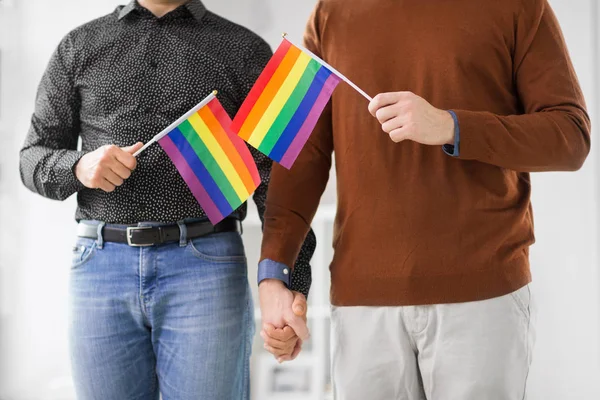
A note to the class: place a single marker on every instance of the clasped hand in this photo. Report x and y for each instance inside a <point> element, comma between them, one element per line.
<point>283,319</point>
<point>403,116</point>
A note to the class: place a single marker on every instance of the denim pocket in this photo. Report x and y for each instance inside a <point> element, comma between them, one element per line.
<point>83,251</point>
<point>219,248</point>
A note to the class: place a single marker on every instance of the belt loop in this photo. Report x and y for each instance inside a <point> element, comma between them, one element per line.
<point>182,234</point>
<point>100,239</point>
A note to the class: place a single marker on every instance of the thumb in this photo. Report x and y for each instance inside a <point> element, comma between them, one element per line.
<point>299,326</point>
<point>299,305</point>
<point>134,148</point>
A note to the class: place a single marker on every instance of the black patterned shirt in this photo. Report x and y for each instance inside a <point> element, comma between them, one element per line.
<point>123,78</point>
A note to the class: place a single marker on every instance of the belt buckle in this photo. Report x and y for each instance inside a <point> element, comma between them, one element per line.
<point>130,230</point>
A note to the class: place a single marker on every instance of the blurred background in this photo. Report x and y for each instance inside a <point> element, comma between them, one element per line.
<point>34,265</point>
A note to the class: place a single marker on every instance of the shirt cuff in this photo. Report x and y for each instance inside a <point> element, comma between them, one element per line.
<point>453,150</point>
<point>64,171</point>
<point>269,269</point>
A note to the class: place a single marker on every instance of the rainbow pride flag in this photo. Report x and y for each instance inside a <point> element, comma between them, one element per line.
<point>285,103</point>
<point>214,162</point>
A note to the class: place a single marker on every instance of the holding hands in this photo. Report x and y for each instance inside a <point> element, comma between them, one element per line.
<point>283,319</point>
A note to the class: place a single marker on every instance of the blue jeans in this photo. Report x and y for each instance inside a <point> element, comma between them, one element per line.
<point>175,319</point>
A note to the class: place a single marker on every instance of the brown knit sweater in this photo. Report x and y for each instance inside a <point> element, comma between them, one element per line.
<point>415,225</point>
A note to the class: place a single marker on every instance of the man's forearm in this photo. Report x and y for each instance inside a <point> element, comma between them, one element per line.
<point>552,140</point>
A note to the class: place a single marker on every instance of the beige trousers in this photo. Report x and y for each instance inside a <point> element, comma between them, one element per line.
<point>466,351</point>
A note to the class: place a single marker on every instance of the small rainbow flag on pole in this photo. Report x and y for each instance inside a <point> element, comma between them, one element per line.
<point>214,162</point>
<point>286,102</point>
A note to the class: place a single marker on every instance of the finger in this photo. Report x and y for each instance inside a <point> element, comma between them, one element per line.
<point>393,124</point>
<point>297,350</point>
<point>400,134</point>
<point>386,99</point>
<point>125,156</point>
<point>380,101</point>
<point>268,327</point>
<point>387,113</point>
<point>299,305</point>
<point>120,170</point>
<point>294,354</point>
<point>282,335</point>
<point>278,344</point>
<point>113,178</point>
<point>278,353</point>
<point>132,149</point>
<point>106,186</point>
<point>299,326</point>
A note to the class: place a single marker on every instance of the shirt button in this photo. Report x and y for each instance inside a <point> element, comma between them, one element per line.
<point>285,271</point>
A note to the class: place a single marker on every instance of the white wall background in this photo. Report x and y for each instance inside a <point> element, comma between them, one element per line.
<point>34,263</point>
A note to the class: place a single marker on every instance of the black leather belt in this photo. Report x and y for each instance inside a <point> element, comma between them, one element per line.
<point>143,236</point>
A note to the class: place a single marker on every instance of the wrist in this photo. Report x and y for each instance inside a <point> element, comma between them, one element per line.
<point>449,129</point>
<point>271,283</point>
<point>78,170</point>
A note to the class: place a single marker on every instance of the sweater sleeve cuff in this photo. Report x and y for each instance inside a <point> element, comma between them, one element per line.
<point>269,269</point>
<point>453,150</point>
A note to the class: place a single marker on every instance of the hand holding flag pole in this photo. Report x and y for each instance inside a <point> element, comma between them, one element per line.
<point>214,162</point>
<point>329,67</point>
<point>175,124</point>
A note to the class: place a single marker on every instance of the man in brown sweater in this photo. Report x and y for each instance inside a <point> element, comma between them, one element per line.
<point>434,222</point>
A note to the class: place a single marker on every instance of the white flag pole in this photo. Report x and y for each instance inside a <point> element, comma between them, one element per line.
<point>168,129</point>
<point>335,71</point>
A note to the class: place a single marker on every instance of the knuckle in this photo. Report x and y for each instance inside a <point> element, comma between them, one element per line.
<point>96,176</point>
<point>106,155</point>
<point>380,100</point>
<point>132,163</point>
<point>108,149</point>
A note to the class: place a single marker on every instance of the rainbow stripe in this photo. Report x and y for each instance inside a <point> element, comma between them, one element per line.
<point>214,162</point>
<point>285,104</point>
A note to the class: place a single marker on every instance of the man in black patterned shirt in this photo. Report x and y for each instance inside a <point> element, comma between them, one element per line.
<point>159,297</point>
